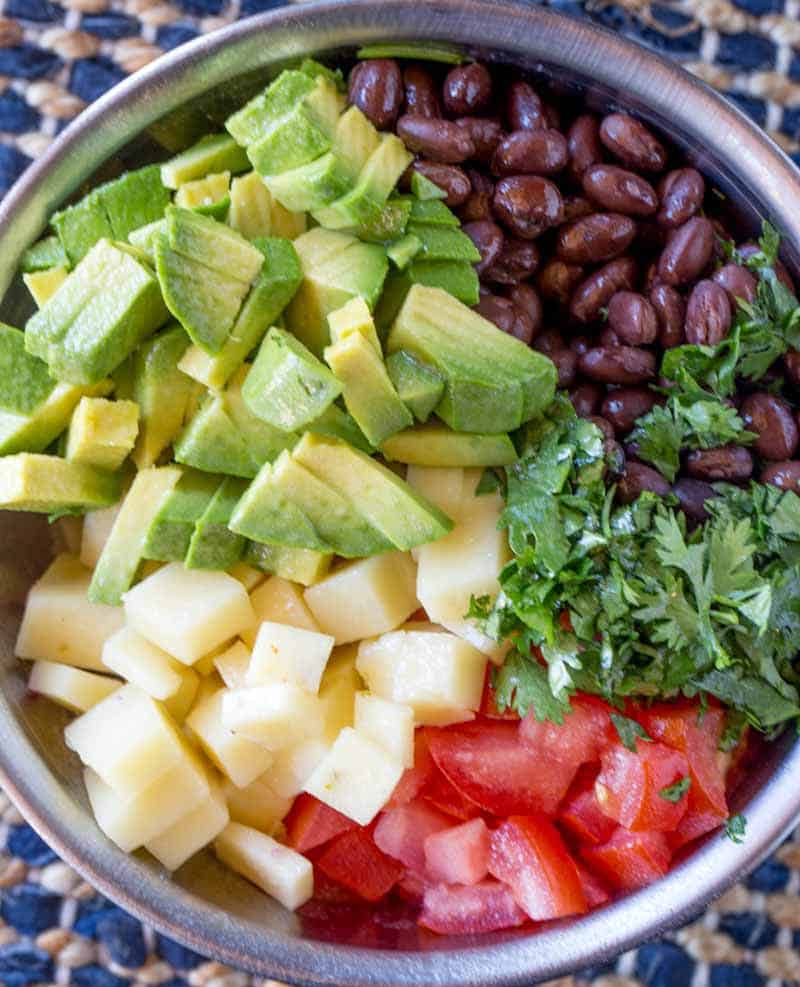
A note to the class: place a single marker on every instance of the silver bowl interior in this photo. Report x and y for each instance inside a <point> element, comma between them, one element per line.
<point>163,109</point>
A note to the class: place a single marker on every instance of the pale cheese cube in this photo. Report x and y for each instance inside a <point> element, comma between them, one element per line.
<point>60,624</point>
<point>71,687</point>
<point>275,716</point>
<point>356,777</point>
<point>440,676</point>
<point>337,691</point>
<point>179,704</point>
<point>135,820</point>
<point>390,725</point>
<point>248,575</point>
<point>289,654</point>
<point>97,527</point>
<point>143,664</point>
<point>279,871</point>
<point>232,665</point>
<point>194,830</point>
<point>293,766</point>
<point>127,739</point>
<point>281,602</point>
<point>237,757</point>
<point>258,805</point>
<point>441,485</point>
<point>365,598</point>
<point>188,612</point>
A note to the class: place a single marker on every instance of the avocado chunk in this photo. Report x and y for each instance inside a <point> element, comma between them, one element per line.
<point>35,431</point>
<point>423,188</point>
<point>102,432</point>
<point>336,267</point>
<point>338,423</point>
<point>204,194</point>
<point>419,385</point>
<point>46,484</point>
<point>44,254</point>
<point>171,530</point>
<point>311,185</point>
<point>491,379</point>
<point>298,565</point>
<point>161,391</point>
<point>25,381</point>
<point>355,139</point>
<point>457,278</point>
<point>212,244</point>
<point>435,444</point>
<point>255,213</point>
<point>210,155</point>
<point>213,545</point>
<point>98,316</point>
<point>144,238</point>
<point>79,227</point>
<point>295,140</point>
<point>254,120</point>
<point>403,516</point>
<point>389,224</point>
<point>326,521</point>
<point>119,561</point>
<point>369,394</point>
<point>443,243</point>
<point>432,212</point>
<point>287,386</point>
<point>354,317</point>
<point>404,250</point>
<point>44,284</point>
<point>272,290</point>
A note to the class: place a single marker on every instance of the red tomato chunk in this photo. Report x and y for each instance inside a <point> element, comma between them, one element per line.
<point>630,784</point>
<point>354,861</point>
<point>459,855</point>
<point>311,823</point>
<point>580,812</point>
<point>484,907</point>
<point>401,832</point>
<point>630,860</point>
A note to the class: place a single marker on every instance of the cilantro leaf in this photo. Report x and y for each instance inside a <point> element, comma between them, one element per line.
<point>629,730</point>
<point>522,684</point>
<point>736,828</point>
<point>674,793</point>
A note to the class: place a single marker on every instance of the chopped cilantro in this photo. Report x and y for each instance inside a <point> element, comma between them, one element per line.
<point>674,793</point>
<point>736,827</point>
<point>629,731</point>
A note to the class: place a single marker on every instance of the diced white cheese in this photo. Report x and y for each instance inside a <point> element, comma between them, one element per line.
<point>276,716</point>
<point>133,657</point>
<point>281,602</point>
<point>257,805</point>
<point>278,870</point>
<point>232,665</point>
<point>390,725</point>
<point>289,654</point>
<point>195,829</point>
<point>71,687</point>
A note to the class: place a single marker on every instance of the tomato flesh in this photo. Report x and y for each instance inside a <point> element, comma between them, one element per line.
<point>459,855</point>
<point>354,861</point>
<point>580,813</point>
<point>442,794</point>
<point>401,832</point>
<point>629,860</point>
<point>580,738</point>
<point>630,784</point>
<point>310,823</point>
<point>457,910</point>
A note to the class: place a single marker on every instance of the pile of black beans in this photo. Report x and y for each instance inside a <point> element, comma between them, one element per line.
<point>599,246</point>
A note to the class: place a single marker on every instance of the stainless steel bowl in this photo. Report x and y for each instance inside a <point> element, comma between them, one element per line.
<point>204,906</point>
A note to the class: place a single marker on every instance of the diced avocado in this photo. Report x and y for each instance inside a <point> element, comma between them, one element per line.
<point>312,185</point>
<point>340,425</point>
<point>337,524</point>
<point>254,212</point>
<point>116,568</point>
<point>255,118</point>
<point>492,380</point>
<point>144,238</point>
<point>368,392</point>
<point>415,52</point>
<point>24,379</point>
<point>404,250</point>
<point>44,284</point>
<point>299,565</point>
<point>390,223</point>
<point>171,530</point>
<point>433,213</point>
<point>355,139</point>
<point>216,210</point>
<point>295,140</point>
<point>336,267</point>
<point>311,67</point>
<point>204,192</point>
<point>354,317</point>
<point>210,155</point>
<point>44,254</point>
<point>458,278</point>
<point>287,386</point>
<point>79,227</point>
<point>443,243</point>
<point>35,431</point>
<point>102,432</point>
<point>212,244</point>
<point>404,517</point>
<point>435,444</point>
<point>419,385</point>
<point>213,544</point>
<point>133,200</point>
<point>46,484</point>
<point>423,188</point>
<point>271,292</point>
<point>161,392</point>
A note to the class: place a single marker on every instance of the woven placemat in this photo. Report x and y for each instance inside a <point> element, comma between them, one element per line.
<point>56,58</point>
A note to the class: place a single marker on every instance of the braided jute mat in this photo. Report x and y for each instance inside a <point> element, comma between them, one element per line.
<point>56,58</point>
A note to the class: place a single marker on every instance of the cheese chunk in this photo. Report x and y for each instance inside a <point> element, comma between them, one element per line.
<point>278,870</point>
<point>390,725</point>
<point>237,757</point>
<point>281,602</point>
<point>70,687</point>
<point>275,716</point>
<point>192,831</point>
<point>289,654</point>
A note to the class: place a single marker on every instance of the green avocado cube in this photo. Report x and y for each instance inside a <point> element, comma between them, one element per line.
<point>457,278</point>
<point>435,444</point>
<point>133,200</point>
<point>355,139</point>
<point>287,386</point>
<point>354,317</point>
<point>213,545</point>
<point>443,243</point>
<point>312,185</point>
<point>211,154</point>
<point>171,530</point>
<point>314,69</point>
<point>122,553</point>
<point>25,381</point>
<point>44,254</point>
<point>36,431</point>
<point>368,392</point>
<point>79,227</point>
<point>390,223</point>
<point>388,503</point>
<point>255,119</point>
<point>205,193</point>
<point>423,188</point>
<point>46,484</point>
<point>295,140</point>
<point>102,432</point>
<point>433,213</point>
<point>298,565</point>
<point>340,425</point>
<point>161,391</point>
<point>419,385</point>
<point>404,250</point>
<point>205,241</point>
<point>144,238</point>
<point>272,290</point>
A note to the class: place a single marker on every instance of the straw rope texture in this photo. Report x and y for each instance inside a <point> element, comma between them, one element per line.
<point>55,59</point>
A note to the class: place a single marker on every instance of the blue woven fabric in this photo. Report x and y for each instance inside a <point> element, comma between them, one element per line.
<point>55,58</point>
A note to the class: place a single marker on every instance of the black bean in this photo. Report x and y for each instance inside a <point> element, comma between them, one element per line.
<point>687,253</point>
<point>785,475</point>
<point>450,179</point>
<point>517,261</point>
<point>506,316</point>
<point>632,318</point>
<point>638,479</point>
<point>595,292</point>
<point>376,88</point>
<point>692,496</point>
<point>737,281</point>
<point>488,239</point>
<point>670,308</point>
<point>485,132</point>
<point>708,314</point>
<point>681,193</point>
<point>771,419</point>
<point>619,190</point>
<point>421,96</point>
<point>530,152</point>
<point>586,398</point>
<point>556,280</point>
<point>467,89</point>
<point>583,141</point>
<point>524,107</point>
<point>595,238</point>
<point>731,463</point>
<point>623,406</point>
<point>618,365</point>
<point>527,205</point>
<point>631,142</point>
<point>439,140</point>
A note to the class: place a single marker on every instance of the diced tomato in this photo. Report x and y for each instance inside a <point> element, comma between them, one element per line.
<point>566,621</point>
<point>354,861</point>
<point>692,827</point>
<point>489,704</point>
<point>411,887</point>
<point>459,855</point>
<point>580,738</point>
<point>487,763</point>
<point>593,889</point>
<point>310,823</point>
<point>331,892</point>
<point>447,798</point>
<point>629,785</point>
<point>456,910</point>
<point>580,813</point>
<point>401,832</point>
<point>629,860</point>
<point>414,779</point>
<point>528,854</point>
